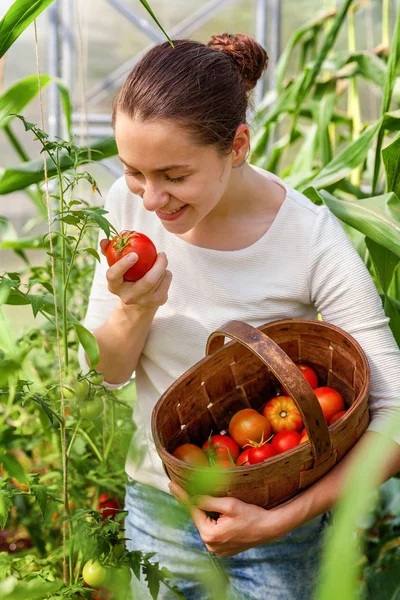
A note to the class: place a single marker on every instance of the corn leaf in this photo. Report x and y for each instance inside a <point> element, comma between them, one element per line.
<point>19,16</point>
<point>347,160</point>
<point>378,217</point>
<point>26,174</point>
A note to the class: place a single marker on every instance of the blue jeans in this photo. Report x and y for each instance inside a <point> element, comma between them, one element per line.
<point>282,570</point>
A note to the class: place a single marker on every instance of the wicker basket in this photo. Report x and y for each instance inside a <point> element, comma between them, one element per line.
<point>246,373</point>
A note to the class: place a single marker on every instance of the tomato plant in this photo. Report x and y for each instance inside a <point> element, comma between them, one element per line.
<point>309,375</point>
<point>282,413</point>
<point>132,241</point>
<point>337,416</point>
<point>95,574</point>
<point>247,425</point>
<point>97,378</point>
<point>221,446</point>
<point>258,454</point>
<point>191,454</point>
<point>285,440</point>
<point>330,400</point>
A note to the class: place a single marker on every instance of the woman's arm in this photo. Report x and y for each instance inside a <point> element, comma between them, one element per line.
<point>242,526</point>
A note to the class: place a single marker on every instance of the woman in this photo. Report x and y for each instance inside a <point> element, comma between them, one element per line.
<point>235,242</point>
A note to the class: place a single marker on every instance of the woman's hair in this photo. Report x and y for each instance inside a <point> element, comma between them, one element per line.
<point>204,88</point>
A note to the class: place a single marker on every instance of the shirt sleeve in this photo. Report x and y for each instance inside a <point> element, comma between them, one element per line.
<point>101,301</point>
<point>344,293</point>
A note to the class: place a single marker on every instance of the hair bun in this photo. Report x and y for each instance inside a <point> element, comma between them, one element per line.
<point>248,56</point>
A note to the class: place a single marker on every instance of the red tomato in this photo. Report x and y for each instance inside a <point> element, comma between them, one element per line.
<point>260,453</point>
<point>285,440</point>
<point>247,425</point>
<point>222,463</point>
<point>330,400</point>
<point>337,416</point>
<point>303,432</point>
<point>191,454</point>
<point>222,445</point>
<point>282,414</point>
<point>243,458</point>
<point>109,506</point>
<point>309,375</point>
<point>304,438</point>
<point>132,241</point>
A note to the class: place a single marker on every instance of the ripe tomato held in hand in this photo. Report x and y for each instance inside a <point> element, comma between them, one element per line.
<point>330,400</point>
<point>260,453</point>
<point>247,425</point>
<point>132,241</point>
<point>191,454</point>
<point>309,375</point>
<point>222,446</point>
<point>243,458</point>
<point>285,440</point>
<point>95,574</point>
<point>282,414</point>
<point>337,416</point>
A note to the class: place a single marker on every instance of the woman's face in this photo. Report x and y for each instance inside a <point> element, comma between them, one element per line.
<point>179,181</point>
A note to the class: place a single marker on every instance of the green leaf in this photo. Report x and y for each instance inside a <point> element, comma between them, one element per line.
<point>306,31</point>
<point>89,343</point>
<point>385,263</point>
<point>19,95</point>
<point>347,160</point>
<point>153,16</point>
<point>5,504</point>
<point>390,80</point>
<point>12,466</point>
<point>28,243</point>
<point>66,104</point>
<point>26,174</point>
<point>19,16</point>
<point>391,159</point>
<point>97,217</point>
<point>339,574</point>
<point>370,67</point>
<point>37,302</point>
<point>40,493</point>
<point>378,217</point>
<point>14,589</point>
<point>93,252</point>
<point>327,46</point>
<point>323,106</point>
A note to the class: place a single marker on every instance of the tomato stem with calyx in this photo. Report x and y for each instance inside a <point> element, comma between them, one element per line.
<point>123,239</point>
<point>262,442</point>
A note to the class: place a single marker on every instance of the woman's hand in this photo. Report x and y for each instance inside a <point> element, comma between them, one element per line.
<point>149,292</point>
<point>239,527</point>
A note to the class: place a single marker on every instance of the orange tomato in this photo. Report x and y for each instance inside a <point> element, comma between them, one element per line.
<point>282,414</point>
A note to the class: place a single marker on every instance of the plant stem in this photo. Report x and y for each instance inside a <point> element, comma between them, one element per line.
<point>92,444</point>
<point>353,96</point>
<point>385,23</point>
<point>73,437</point>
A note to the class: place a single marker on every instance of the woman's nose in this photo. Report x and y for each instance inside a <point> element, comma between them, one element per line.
<point>154,197</point>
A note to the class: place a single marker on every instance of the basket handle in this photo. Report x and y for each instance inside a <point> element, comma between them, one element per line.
<point>289,376</point>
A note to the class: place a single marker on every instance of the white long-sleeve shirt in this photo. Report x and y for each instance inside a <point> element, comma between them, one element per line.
<point>303,265</point>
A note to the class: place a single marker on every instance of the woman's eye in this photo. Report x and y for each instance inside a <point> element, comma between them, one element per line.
<point>175,179</point>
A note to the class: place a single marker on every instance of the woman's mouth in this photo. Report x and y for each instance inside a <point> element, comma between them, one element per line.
<point>172,215</point>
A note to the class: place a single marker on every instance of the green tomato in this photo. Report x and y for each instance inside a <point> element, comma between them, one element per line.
<point>67,391</point>
<point>82,388</point>
<point>95,574</point>
<point>97,378</point>
<point>119,579</point>
<point>91,408</point>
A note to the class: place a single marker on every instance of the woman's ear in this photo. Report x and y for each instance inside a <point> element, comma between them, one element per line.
<point>241,145</point>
